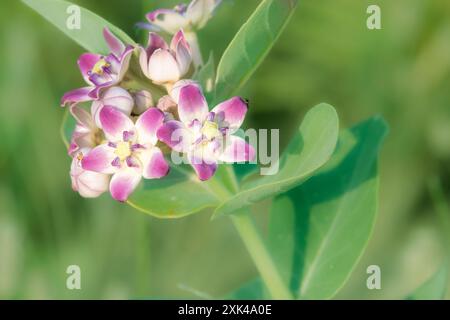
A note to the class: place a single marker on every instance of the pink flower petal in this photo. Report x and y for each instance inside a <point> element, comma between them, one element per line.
<point>117,47</point>
<point>88,184</point>
<point>143,61</point>
<point>155,42</point>
<point>233,111</point>
<point>237,150</point>
<point>204,169</point>
<point>177,38</point>
<point>82,117</point>
<point>76,96</point>
<point>154,164</point>
<point>124,64</point>
<point>99,159</point>
<point>86,62</point>
<point>148,124</point>
<point>183,56</point>
<point>114,123</point>
<point>175,135</point>
<point>175,92</point>
<point>116,97</point>
<point>124,182</point>
<point>192,104</point>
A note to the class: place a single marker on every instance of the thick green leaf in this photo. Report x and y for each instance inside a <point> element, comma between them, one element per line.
<point>434,288</point>
<point>179,194</point>
<point>90,35</point>
<point>324,224</point>
<point>281,237</point>
<point>307,225</point>
<point>251,44</point>
<point>311,148</point>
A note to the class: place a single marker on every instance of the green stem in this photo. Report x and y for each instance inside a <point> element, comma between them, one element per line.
<point>261,257</point>
<point>254,243</point>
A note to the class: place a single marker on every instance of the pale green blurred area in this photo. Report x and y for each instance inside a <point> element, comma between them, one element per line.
<point>326,54</point>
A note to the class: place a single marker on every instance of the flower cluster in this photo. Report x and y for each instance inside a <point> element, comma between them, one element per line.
<point>144,106</point>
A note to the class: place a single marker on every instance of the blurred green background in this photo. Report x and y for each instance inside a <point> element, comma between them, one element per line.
<point>325,54</point>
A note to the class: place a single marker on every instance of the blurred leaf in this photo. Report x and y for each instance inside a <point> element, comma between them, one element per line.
<point>324,224</point>
<point>309,150</point>
<point>90,35</point>
<point>205,76</point>
<point>251,44</point>
<point>253,290</point>
<point>434,288</point>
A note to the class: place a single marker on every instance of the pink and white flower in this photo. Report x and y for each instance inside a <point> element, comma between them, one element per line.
<point>206,137</point>
<point>100,72</point>
<point>164,64</point>
<point>130,152</point>
<point>86,134</point>
<point>188,17</point>
<point>116,97</point>
<point>88,184</point>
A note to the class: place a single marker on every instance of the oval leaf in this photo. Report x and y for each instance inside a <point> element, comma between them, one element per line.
<point>434,288</point>
<point>310,149</point>
<point>177,195</point>
<point>329,219</point>
<point>251,44</point>
<point>90,33</point>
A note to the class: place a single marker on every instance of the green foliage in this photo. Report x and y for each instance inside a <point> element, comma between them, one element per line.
<point>335,213</point>
<point>311,147</point>
<point>253,290</point>
<point>434,288</point>
<point>318,231</point>
<point>89,36</point>
<point>177,195</point>
<point>251,45</point>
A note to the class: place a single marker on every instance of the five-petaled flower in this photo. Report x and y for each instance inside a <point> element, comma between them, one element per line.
<point>164,64</point>
<point>101,72</point>
<point>206,137</point>
<point>114,145</point>
<point>188,17</point>
<point>130,151</point>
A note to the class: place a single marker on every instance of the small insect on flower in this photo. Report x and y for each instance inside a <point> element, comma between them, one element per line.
<point>129,152</point>
<point>206,137</point>
<point>164,64</point>
<point>100,72</point>
<point>190,17</point>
